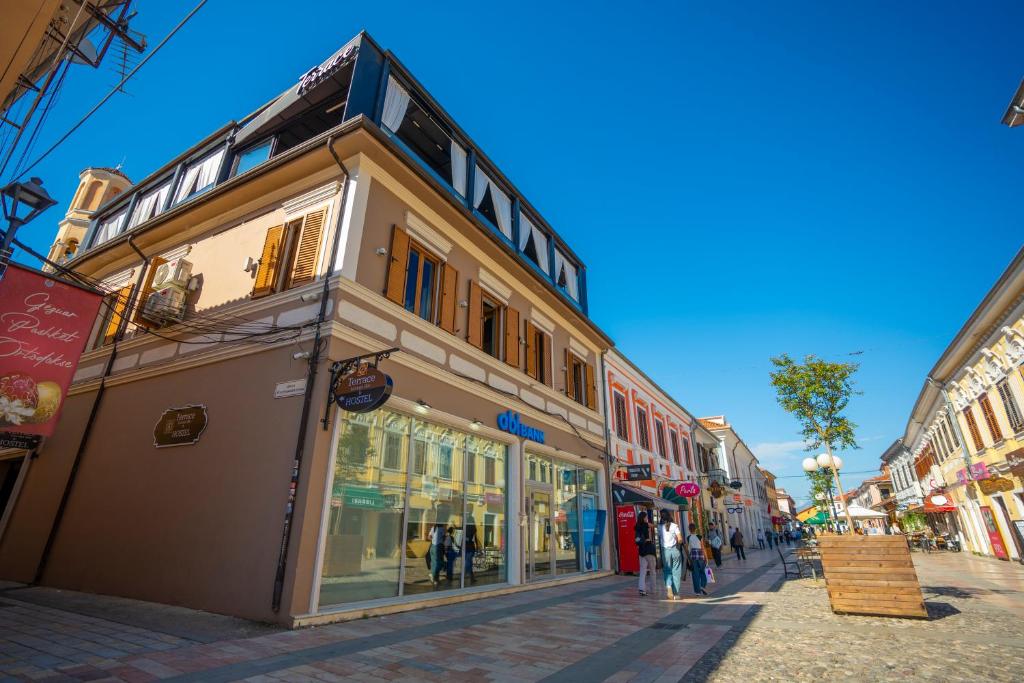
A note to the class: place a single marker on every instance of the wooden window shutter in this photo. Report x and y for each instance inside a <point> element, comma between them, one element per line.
<point>591,387</point>
<point>449,297</point>
<point>308,251</point>
<point>474,321</point>
<point>147,289</point>
<point>990,419</point>
<point>972,427</point>
<point>531,350</point>
<point>512,337</point>
<point>266,275</point>
<point>117,311</point>
<point>570,387</point>
<point>545,357</point>
<point>394,289</point>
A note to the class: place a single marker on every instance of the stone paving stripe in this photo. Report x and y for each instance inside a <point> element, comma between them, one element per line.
<point>627,650</point>
<point>266,665</point>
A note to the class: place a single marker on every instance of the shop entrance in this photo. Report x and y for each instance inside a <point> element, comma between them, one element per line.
<point>540,551</point>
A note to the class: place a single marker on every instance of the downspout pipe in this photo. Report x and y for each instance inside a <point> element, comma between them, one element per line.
<point>83,443</point>
<point>307,400</point>
<point>612,519</point>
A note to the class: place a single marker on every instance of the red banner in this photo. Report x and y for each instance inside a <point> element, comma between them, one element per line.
<point>44,325</point>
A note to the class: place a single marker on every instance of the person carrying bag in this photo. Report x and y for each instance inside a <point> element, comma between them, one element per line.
<point>672,559</point>
<point>698,561</point>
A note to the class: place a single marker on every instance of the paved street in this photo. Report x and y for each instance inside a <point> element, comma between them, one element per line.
<point>754,627</point>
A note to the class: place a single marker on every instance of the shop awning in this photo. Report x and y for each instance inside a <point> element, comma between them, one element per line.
<point>624,495</point>
<point>820,518</point>
<point>938,502</point>
<point>669,493</point>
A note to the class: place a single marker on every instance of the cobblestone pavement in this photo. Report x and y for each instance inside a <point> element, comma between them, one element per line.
<point>754,627</point>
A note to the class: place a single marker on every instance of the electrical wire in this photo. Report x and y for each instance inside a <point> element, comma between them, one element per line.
<point>116,89</point>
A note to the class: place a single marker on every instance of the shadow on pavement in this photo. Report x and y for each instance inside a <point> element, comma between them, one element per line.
<point>940,610</point>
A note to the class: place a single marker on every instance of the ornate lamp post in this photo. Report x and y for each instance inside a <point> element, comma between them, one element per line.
<point>30,195</point>
<point>833,463</point>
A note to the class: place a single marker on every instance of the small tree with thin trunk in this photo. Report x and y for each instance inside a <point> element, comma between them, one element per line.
<point>816,393</point>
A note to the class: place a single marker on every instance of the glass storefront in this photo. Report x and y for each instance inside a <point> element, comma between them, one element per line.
<point>564,529</point>
<point>415,507</point>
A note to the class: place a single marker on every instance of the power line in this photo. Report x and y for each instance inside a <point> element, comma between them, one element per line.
<point>113,91</point>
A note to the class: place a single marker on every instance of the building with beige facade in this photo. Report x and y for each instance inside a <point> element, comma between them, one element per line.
<point>348,217</point>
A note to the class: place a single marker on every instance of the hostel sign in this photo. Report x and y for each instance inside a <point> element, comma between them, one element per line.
<point>364,390</point>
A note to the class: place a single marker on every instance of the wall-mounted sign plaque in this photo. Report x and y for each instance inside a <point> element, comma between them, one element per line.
<point>363,390</point>
<point>180,426</point>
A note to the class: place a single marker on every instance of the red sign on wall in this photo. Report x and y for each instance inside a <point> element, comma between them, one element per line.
<point>688,489</point>
<point>44,325</point>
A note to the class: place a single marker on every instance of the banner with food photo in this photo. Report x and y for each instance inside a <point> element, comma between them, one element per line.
<point>44,326</point>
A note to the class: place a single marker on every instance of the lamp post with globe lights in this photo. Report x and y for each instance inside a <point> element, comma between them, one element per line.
<point>832,463</point>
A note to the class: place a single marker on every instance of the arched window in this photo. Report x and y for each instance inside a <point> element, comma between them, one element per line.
<point>70,248</point>
<point>91,200</point>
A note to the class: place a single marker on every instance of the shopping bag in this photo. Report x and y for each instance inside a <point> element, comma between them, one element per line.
<point>710,574</point>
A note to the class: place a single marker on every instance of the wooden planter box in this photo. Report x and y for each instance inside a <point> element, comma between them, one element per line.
<point>871,575</point>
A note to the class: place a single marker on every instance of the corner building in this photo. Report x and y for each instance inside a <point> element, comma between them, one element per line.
<point>215,267</point>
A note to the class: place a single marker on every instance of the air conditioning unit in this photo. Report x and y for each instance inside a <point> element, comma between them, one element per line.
<point>165,306</point>
<point>173,273</point>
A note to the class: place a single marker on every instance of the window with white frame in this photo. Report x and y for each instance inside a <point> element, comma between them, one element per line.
<point>199,176</point>
<point>566,276</point>
<point>110,227</point>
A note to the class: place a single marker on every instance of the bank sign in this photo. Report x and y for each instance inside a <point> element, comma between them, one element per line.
<point>511,422</point>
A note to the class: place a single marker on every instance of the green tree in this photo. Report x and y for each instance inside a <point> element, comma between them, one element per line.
<point>816,393</point>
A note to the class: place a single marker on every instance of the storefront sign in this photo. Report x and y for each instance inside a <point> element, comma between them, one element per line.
<point>638,472</point>
<point>44,324</point>
<point>26,442</point>
<point>180,426</point>
<point>688,489</point>
<point>993,533</point>
<point>511,422</point>
<point>995,485</point>
<point>363,390</point>
<point>318,73</point>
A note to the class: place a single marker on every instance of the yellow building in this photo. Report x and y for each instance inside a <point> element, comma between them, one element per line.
<point>966,432</point>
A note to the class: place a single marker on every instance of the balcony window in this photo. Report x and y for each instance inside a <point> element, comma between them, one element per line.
<point>110,227</point>
<point>492,203</point>
<point>566,275</point>
<point>424,136</point>
<point>252,157</point>
<point>533,243</point>
<point>199,176</point>
<point>150,204</point>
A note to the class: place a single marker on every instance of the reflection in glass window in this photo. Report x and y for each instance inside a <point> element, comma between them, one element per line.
<point>150,204</point>
<point>110,227</point>
<point>566,520</point>
<point>422,134</point>
<point>492,203</point>
<point>199,176</point>
<point>533,243</point>
<point>252,157</point>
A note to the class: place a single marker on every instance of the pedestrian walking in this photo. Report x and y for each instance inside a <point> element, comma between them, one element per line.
<point>437,559</point>
<point>715,541</point>
<point>770,536</point>
<point>737,544</point>
<point>472,543</point>
<point>698,561</point>
<point>760,539</point>
<point>646,550</point>
<point>671,556</point>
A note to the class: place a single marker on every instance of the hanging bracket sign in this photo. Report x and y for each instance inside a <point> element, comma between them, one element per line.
<point>363,390</point>
<point>180,426</point>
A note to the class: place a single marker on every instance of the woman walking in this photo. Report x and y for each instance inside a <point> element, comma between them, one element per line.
<point>737,544</point>
<point>671,557</point>
<point>646,549</point>
<point>698,561</point>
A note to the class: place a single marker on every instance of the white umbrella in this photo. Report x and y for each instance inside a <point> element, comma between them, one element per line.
<point>858,512</point>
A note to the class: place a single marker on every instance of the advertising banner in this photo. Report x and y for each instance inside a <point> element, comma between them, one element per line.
<point>44,326</point>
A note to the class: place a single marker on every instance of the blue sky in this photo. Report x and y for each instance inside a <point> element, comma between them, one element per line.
<point>742,179</point>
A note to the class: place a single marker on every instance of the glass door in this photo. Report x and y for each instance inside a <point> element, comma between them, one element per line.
<point>540,550</point>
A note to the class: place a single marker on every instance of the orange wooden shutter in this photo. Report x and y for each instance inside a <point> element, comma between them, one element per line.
<point>117,310</point>
<point>474,321</point>
<point>591,387</point>
<point>570,388</point>
<point>308,251</point>
<point>449,297</point>
<point>990,418</point>
<point>512,337</point>
<point>266,275</point>
<point>394,288</point>
<point>147,289</point>
<point>531,349</point>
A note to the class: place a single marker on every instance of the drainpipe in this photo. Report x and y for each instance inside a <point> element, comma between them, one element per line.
<point>313,362</point>
<point>613,519</point>
<point>83,443</point>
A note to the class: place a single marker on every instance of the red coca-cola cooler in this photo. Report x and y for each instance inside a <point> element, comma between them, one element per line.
<point>625,521</point>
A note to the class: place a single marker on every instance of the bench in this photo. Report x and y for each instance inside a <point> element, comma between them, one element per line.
<point>805,558</point>
<point>786,564</point>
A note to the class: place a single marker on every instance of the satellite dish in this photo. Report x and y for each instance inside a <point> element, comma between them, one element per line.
<point>88,52</point>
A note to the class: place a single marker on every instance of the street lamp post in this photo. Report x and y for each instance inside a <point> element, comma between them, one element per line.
<point>30,195</point>
<point>827,461</point>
